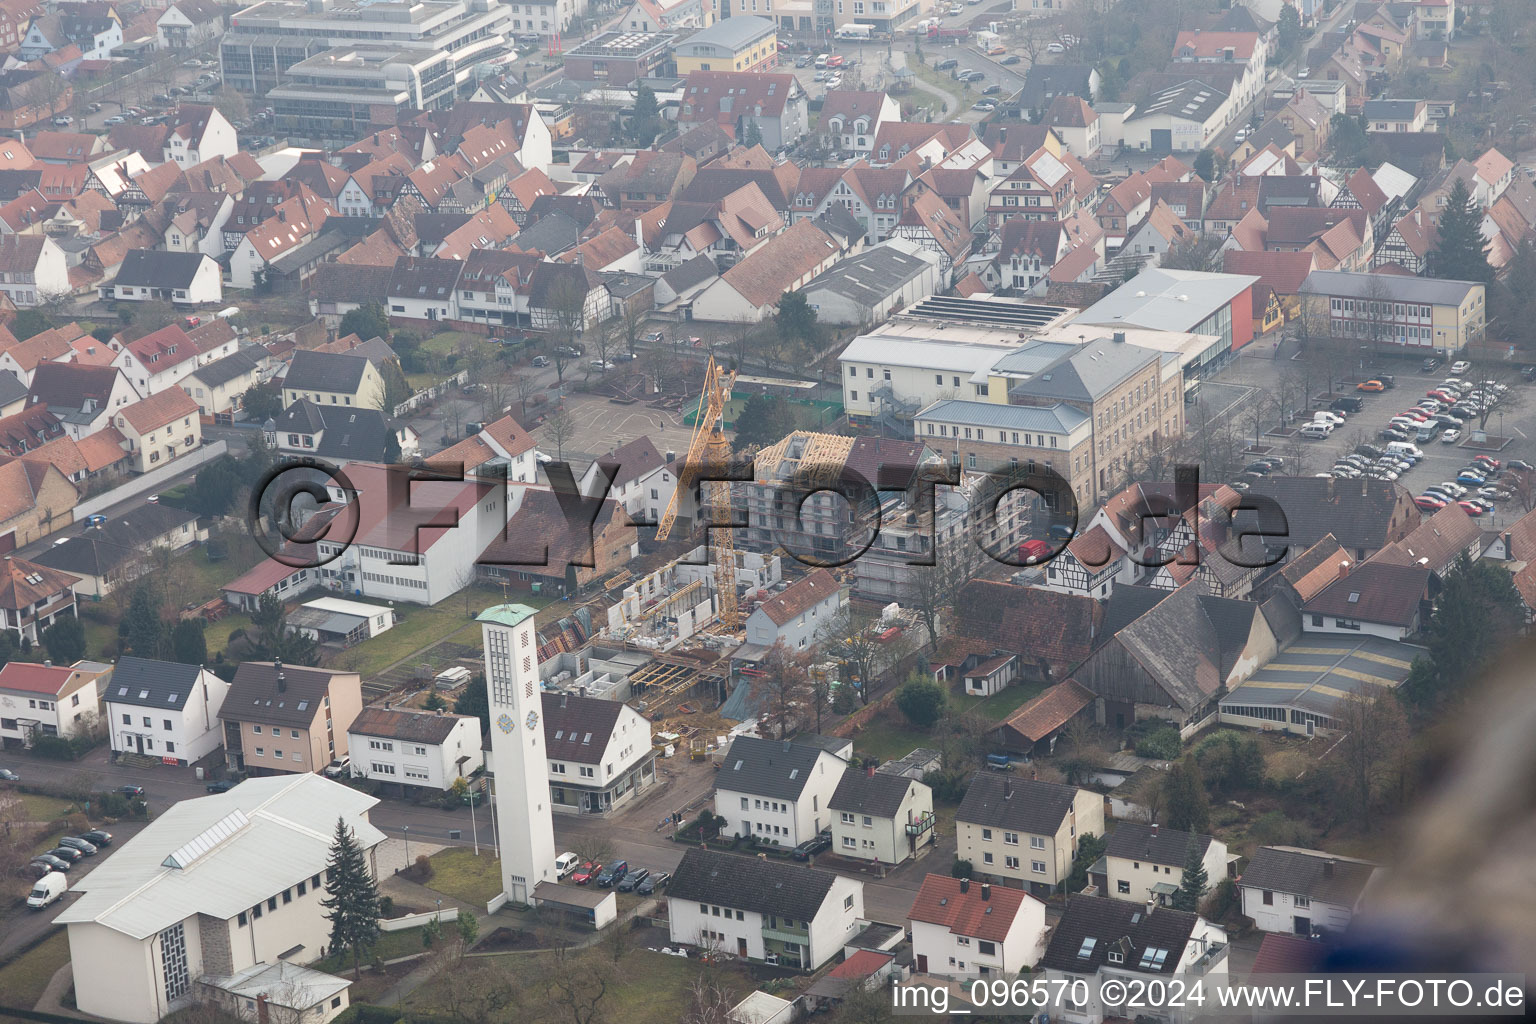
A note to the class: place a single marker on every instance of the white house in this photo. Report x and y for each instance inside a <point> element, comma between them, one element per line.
<point>188,23</point>
<point>499,443</point>
<point>779,792</point>
<point>1098,939</point>
<point>1303,892</point>
<point>156,361</point>
<point>199,132</point>
<point>1180,119</point>
<point>794,615</point>
<point>1025,830</point>
<point>850,120</point>
<point>868,287</point>
<point>164,709</point>
<point>1375,597</point>
<point>880,817</point>
<point>883,372</point>
<point>294,994</point>
<point>1146,862</point>
<point>600,753</point>
<point>160,429</point>
<point>763,909</point>
<point>211,886</point>
<point>962,928</point>
<point>33,269</point>
<point>182,278</point>
<point>643,482</point>
<point>428,749</point>
<point>48,700</point>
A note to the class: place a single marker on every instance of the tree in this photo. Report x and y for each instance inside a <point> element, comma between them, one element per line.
<point>579,987</point>
<point>30,322</point>
<point>933,588</point>
<point>262,402</point>
<point>188,644</point>
<point>764,420</point>
<point>1347,141</point>
<point>646,119</point>
<point>233,105</point>
<point>1195,884</point>
<point>561,429</point>
<point>1461,254</point>
<point>524,387</point>
<point>1199,252</point>
<point>141,631</point>
<point>1205,164</point>
<point>1188,810</point>
<point>1374,729</point>
<point>367,321</point>
<point>709,1002</point>
<point>475,701</point>
<point>391,455</point>
<point>852,638</point>
<point>469,929</point>
<point>796,321</point>
<point>435,702</point>
<point>65,640</point>
<point>393,388</point>
<point>1475,614</point>
<point>1289,29</point>
<point>784,684</point>
<point>921,701</point>
<point>751,134</point>
<point>352,898</point>
<point>271,638</point>
<point>593,848</point>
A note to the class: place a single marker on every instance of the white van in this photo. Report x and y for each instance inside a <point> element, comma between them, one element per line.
<point>821,60</point>
<point>48,889</point>
<point>1317,430</point>
<point>1404,448</point>
<point>1324,416</point>
<point>565,864</point>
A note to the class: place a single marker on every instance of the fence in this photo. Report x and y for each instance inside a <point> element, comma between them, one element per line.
<point>426,395</point>
<point>400,924</point>
<point>151,481</point>
<point>497,902</point>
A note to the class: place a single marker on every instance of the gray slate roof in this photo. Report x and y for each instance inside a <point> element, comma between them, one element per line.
<point>1390,286</point>
<point>1023,805</point>
<point>1125,927</point>
<point>11,388</point>
<point>1137,842</point>
<point>771,768</point>
<point>154,268</point>
<point>231,367</point>
<point>873,793</point>
<point>1060,418</point>
<point>254,695</point>
<point>1088,371</point>
<point>150,684</point>
<point>100,549</point>
<point>324,371</point>
<point>761,886</point>
<point>870,277</point>
<point>1306,873</point>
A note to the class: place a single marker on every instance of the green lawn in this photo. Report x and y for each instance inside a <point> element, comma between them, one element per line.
<point>1000,706</point>
<point>390,946</point>
<point>23,980</point>
<point>887,740</point>
<point>457,872</point>
<point>216,634</point>
<point>418,627</point>
<point>44,808</point>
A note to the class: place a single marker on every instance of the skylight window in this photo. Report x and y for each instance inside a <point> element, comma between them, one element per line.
<point>172,698</point>
<point>1152,959</point>
<point>1086,949</point>
<point>143,695</point>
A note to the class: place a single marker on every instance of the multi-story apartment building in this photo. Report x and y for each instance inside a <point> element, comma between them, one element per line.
<point>266,40</point>
<point>1434,315</point>
<point>338,93</point>
<point>284,718</point>
<point>164,709</point>
<point>1025,831</point>
<point>414,749</point>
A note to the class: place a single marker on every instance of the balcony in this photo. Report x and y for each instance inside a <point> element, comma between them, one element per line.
<point>783,935</point>
<point>1216,954</point>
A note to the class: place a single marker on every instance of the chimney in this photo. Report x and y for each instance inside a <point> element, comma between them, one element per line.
<point>1151,906</point>
<point>965,885</point>
<point>1118,337</point>
<point>986,891</point>
<point>1007,789</point>
<point>869,770</point>
<point>1328,866</point>
<point>1343,569</point>
<point>47,663</point>
<point>262,1016</point>
<point>282,682</point>
<point>563,696</point>
<point>1154,830</point>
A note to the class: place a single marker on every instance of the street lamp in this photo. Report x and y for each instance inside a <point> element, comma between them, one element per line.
<point>407,829</point>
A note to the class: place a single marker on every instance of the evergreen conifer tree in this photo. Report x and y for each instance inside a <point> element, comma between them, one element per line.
<point>1196,882</point>
<point>352,898</point>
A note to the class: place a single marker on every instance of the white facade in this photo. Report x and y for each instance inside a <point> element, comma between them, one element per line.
<point>780,821</point>
<point>206,287</point>
<point>956,953</point>
<point>645,498</point>
<point>517,743</point>
<point>248,889</point>
<point>799,632</point>
<point>881,839</point>
<point>185,734</point>
<point>218,138</point>
<point>174,30</point>
<point>49,277</point>
<point>748,932</point>
<point>1132,880</point>
<point>879,372</point>
<point>619,769</point>
<point>1195,962</point>
<point>414,763</point>
<point>24,713</point>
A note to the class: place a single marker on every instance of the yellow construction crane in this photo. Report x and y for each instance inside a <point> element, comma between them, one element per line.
<point>710,450</point>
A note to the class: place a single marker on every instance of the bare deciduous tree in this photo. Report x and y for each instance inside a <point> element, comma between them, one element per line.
<point>784,684</point>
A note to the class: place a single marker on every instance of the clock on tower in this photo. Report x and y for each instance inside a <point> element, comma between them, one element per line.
<point>522,769</point>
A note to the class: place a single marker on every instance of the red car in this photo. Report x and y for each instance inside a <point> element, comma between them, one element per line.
<point>1486,460</point>
<point>1471,509</point>
<point>1429,504</point>
<point>586,873</point>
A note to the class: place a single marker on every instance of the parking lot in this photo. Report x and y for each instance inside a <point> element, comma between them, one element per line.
<point>1513,416</point>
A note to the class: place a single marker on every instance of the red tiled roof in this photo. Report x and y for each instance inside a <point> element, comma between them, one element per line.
<point>1050,711</point>
<point>30,678</point>
<point>862,964</point>
<point>812,589</point>
<point>941,902</point>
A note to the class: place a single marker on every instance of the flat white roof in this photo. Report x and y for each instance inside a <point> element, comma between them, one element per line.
<point>282,983</point>
<point>250,844</point>
<point>345,607</point>
<point>884,350</point>
<point>1187,346</point>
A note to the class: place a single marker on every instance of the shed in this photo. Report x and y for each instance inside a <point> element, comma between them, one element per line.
<point>762,1008</point>
<point>597,907</point>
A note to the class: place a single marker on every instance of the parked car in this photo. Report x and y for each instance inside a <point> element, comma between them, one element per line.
<point>613,874</point>
<point>52,862</point>
<point>68,853</point>
<point>1486,460</point>
<point>1393,434</point>
<point>631,881</point>
<point>654,338</point>
<point>6,775</point>
<point>1010,60</point>
<point>1467,477</point>
<point>946,64</point>
<point>992,90</point>
<point>85,846</point>
<point>814,845</point>
<point>540,361</point>
<point>131,792</point>
<point>47,889</point>
<point>1460,367</point>
<point>1429,503</point>
<point>1455,490</point>
<point>100,837</point>
<point>115,119</point>
<point>1370,385</point>
<point>339,767</point>
<point>1451,435</point>
<point>1521,465</point>
<point>222,785</point>
<point>803,61</point>
<point>1471,508</point>
<point>651,883</point>
<point>585,873</point>
<point>1429,365</point>
<point>601,365</point>
<point>985,106</point>
<point>565,864</point>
